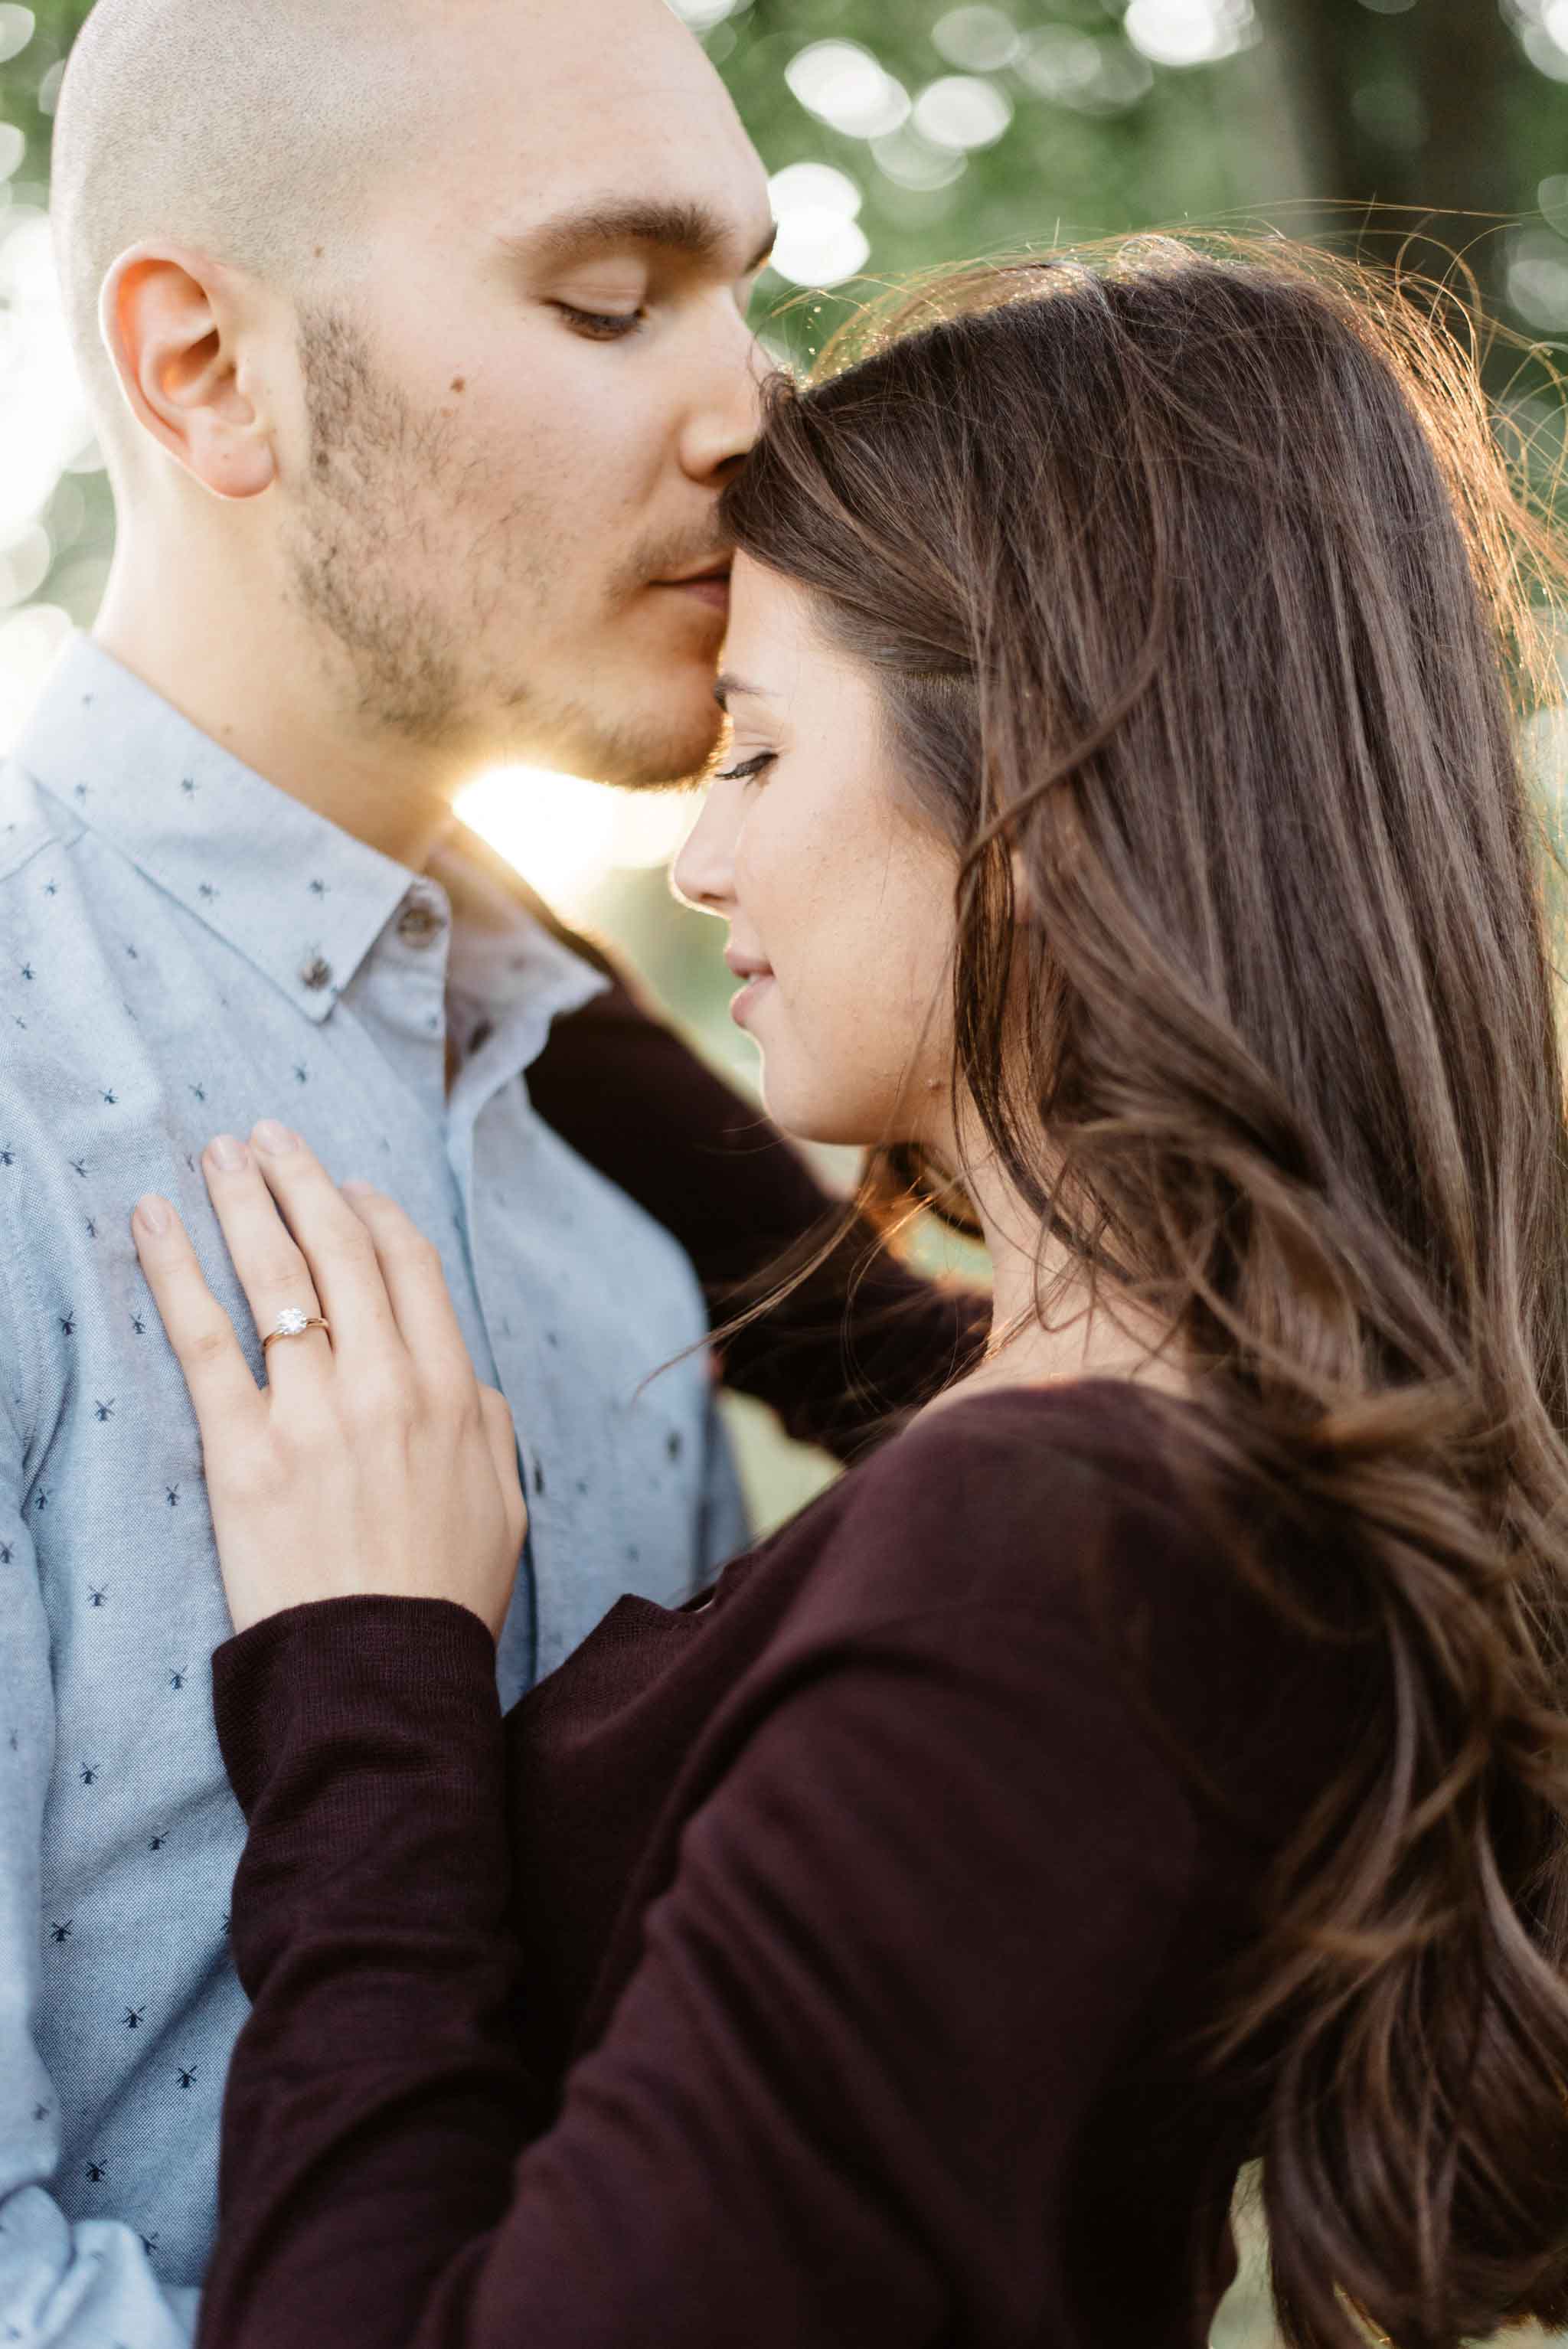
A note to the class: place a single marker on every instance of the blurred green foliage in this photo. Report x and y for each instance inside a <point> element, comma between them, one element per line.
<point>1310,114</point>
<point>1442,123</point>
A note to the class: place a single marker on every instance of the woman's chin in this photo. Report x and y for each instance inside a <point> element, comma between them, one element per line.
<point>850,1107</point>
<point>808,1114</point>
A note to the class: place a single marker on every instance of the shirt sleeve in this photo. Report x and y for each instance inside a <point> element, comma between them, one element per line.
<point>916,1917</point>
<point>860,1341</point>
<point>61,2286</point>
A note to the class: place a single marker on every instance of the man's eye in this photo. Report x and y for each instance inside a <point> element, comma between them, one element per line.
<point>746,768</point>
<point>604,326</point>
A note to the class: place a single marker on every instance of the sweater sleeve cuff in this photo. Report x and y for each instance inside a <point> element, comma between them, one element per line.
<point>409,1684</point>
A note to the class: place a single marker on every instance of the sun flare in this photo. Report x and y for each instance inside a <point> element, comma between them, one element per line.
<point>565,837</point>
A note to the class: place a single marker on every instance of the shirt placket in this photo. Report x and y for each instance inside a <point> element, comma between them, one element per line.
<point>405,993</point>
<point>491,1139</point>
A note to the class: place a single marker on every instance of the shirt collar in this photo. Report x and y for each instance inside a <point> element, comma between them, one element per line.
<point>301,899</point>
<point>285,886</point>
<point>503,960</point>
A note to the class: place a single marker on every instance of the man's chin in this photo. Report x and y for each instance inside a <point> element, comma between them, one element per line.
<point>639,750</point>
<point>654,769</point>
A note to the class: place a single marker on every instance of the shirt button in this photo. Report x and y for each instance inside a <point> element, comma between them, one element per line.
<point>420,924</point>
<point>316,974</point>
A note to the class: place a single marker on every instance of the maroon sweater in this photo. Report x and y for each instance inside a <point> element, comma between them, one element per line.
<point>811,1969</point>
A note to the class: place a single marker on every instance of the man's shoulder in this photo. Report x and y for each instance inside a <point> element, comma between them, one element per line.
<point>66,1044</point>
<point>31,823</point>
<point>53,981</point>
<point>31,826</point>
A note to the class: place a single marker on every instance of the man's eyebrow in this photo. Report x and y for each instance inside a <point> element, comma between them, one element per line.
<point>691,229</point>
<point>727,689</point>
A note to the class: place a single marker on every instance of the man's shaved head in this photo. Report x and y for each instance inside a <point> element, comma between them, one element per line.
<point>250,130</point>
<point>427,341</point>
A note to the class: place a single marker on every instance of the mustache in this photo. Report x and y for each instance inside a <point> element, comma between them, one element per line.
<point>663,558</point>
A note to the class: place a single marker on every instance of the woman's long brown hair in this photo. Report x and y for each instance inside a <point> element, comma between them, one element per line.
<point>1202,599</point>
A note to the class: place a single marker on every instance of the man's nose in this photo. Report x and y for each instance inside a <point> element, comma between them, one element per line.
<point>723,423</point>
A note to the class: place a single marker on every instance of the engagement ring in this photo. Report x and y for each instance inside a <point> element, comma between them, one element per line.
<point>293,1323</point>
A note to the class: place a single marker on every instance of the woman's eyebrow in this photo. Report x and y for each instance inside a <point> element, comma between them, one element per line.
<point>691,229</point>
<point>727,689</point>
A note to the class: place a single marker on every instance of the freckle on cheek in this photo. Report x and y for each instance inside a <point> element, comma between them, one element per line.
<point>459,383</point>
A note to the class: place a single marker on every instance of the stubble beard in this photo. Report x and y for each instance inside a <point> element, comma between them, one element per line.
<point>391,503</point>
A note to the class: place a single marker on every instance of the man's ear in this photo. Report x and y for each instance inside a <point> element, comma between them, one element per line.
<point>169,318</point>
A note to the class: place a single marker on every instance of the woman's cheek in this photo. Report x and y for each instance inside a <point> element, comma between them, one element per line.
<point>771,891</point>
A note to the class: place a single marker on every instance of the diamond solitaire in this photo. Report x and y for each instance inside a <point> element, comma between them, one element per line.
<point>292,1322</point>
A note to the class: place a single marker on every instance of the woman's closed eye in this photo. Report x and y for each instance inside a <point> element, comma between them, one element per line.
<point>748,769</point>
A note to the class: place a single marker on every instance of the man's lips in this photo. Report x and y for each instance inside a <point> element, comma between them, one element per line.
<point>710,586</point>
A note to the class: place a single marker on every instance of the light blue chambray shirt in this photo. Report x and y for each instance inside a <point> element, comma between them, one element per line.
<point>184,950</point>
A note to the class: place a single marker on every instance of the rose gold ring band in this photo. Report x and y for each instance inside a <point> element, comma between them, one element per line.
<point>293,1326</point>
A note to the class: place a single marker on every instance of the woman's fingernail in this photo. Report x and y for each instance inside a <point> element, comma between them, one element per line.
<point>151,1213</point>
<point>274,1138</point>
<point>228,1154</point>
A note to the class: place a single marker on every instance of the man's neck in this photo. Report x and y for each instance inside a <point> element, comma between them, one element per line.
<point>265,698</point>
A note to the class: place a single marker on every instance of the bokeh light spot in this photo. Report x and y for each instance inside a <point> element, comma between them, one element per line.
<point>43,421</point>
<point>962,111</point>
<point>1190,32</point>
<point>703,16</point>
<point>816,187</point>
<point>842,84</point>
<point>818,247</point>
<point>911,162</point>
<point>17,26</point>
<point>1072,69</point>
<point>25,563</point>
<point>1538,278</point>
<point>819,241</point>
<point>1059,61</point>
<point>982,39</point>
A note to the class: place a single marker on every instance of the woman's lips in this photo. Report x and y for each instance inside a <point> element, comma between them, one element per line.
<point>749,994</point>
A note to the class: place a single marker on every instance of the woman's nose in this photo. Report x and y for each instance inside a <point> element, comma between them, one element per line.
<point>703,874</point>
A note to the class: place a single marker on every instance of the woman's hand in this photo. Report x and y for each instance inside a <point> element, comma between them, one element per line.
<point>374,1462</point>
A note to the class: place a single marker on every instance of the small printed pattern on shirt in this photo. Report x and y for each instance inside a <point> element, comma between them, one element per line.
<point>184,950</point>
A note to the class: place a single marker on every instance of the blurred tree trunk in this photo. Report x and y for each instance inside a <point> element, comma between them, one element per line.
<point>1406,109</point>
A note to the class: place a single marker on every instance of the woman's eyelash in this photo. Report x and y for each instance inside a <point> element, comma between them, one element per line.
<point>746,768</point>
<point>606,325</point>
